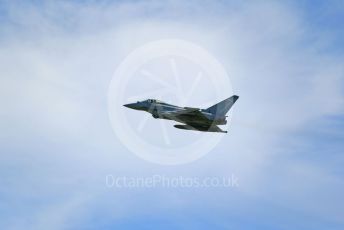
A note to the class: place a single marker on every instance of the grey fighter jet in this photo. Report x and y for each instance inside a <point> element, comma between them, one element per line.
<point>205,120</point>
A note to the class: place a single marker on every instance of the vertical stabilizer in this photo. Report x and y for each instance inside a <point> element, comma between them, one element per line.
<point>220,109</point>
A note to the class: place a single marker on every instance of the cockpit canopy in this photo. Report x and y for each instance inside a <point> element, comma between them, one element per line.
<point>153,101</point>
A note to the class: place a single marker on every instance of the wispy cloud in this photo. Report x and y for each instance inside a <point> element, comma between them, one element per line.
<point>57,59</point>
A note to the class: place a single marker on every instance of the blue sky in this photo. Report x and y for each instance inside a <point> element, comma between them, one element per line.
<point>285,141</point>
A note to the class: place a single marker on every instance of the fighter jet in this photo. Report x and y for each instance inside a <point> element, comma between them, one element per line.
<point>205,120</point>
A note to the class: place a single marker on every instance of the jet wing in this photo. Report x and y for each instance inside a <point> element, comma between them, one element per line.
<point>194,120</point>
<point>215,128</point>
<point>188,115</point>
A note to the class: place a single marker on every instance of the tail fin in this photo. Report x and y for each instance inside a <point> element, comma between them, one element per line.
<point>220,109</point>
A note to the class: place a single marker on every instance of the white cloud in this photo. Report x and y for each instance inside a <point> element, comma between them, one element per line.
<point>57,60</point>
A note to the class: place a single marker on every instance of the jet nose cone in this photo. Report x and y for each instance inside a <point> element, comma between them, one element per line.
<point>132,106</point>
